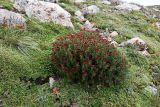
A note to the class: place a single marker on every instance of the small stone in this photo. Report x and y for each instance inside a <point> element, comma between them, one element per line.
<point>93,9</point>
<point>109,39</point>
<point>80,16</point>
<point>52,1</point>
<point>114,43</point>
<point>128,7</point>
<point>51,82</point>
<point>136,42</point>
<point>79,1</point>
<point>1,6</point>
<point>151,89</point>
<point>106,2</point>
<point>158,25</point>
<point>156,69</point>
<point>113,34</point>
<point>88,26</point>
<point>145,53</point>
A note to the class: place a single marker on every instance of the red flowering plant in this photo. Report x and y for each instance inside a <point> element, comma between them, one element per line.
<point>88,57</point>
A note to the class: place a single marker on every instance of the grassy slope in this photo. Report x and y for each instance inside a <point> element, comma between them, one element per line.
<point>26,53</point>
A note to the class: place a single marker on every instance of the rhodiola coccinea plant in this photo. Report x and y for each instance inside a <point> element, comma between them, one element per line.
<point>88,57</point>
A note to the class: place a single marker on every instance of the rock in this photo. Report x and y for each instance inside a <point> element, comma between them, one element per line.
<point>1,7</point>
<point>106,2</point>
<point>116,2</point>
<point>145,53</point>
<point>79,1</point>
<point>104,37</point>
<point>80,16</point>
<point>151,89</point>
<point>157,25</point>
<point>137,42</point>
<point>156,69</point>
<point>113,34</point>
<point>52,1</point>
<point>51,82</point>
<point>128,7</point>
<point>151,11</point>
<point>88,26</point>
<point>156,74</point>
<point>114,43</point>
<point>109,39</point>
<point>20,5</point>
<point>93,9</point>
<point>44,11</point>
<point>12,19</point>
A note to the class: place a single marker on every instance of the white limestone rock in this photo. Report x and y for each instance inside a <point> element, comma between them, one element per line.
<point>51,82</point>
<point>113,34</point>
<point>79,1</point>
<point>106,2</point>
<point>44,11</point>
<point>12,19</point>
<point>157,25</point>
<point>144,53</point>
<point>137,42</point>
<point>88,26</point>
<point>151,89</point>
<point>128,7</point>
<point>93,9</point>
<point>79,15</point>
<point>52,1</point>
<point>114,43</point>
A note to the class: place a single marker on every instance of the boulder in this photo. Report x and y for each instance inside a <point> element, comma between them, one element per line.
<point>136,42</point>
<point>128,7</point>
<point>44,11</point>
<point>93,9</point>
<point>12,19</point>
<point>20,5</point>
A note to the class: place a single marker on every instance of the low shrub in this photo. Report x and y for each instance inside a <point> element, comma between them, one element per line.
<point>88,57</point>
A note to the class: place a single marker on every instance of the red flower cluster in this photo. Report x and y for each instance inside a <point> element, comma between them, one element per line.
<point>87,56</point>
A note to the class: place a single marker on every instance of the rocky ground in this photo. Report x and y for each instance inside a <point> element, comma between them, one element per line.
<point>28,27</point>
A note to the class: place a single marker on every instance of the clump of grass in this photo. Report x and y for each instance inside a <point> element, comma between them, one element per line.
<point>6,4</point>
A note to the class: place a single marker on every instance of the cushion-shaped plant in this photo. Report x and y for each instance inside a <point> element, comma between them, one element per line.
<point>88,57</point>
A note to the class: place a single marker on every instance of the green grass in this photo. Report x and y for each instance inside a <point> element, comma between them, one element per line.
<point>6,4</point>
<point>26,53</point>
